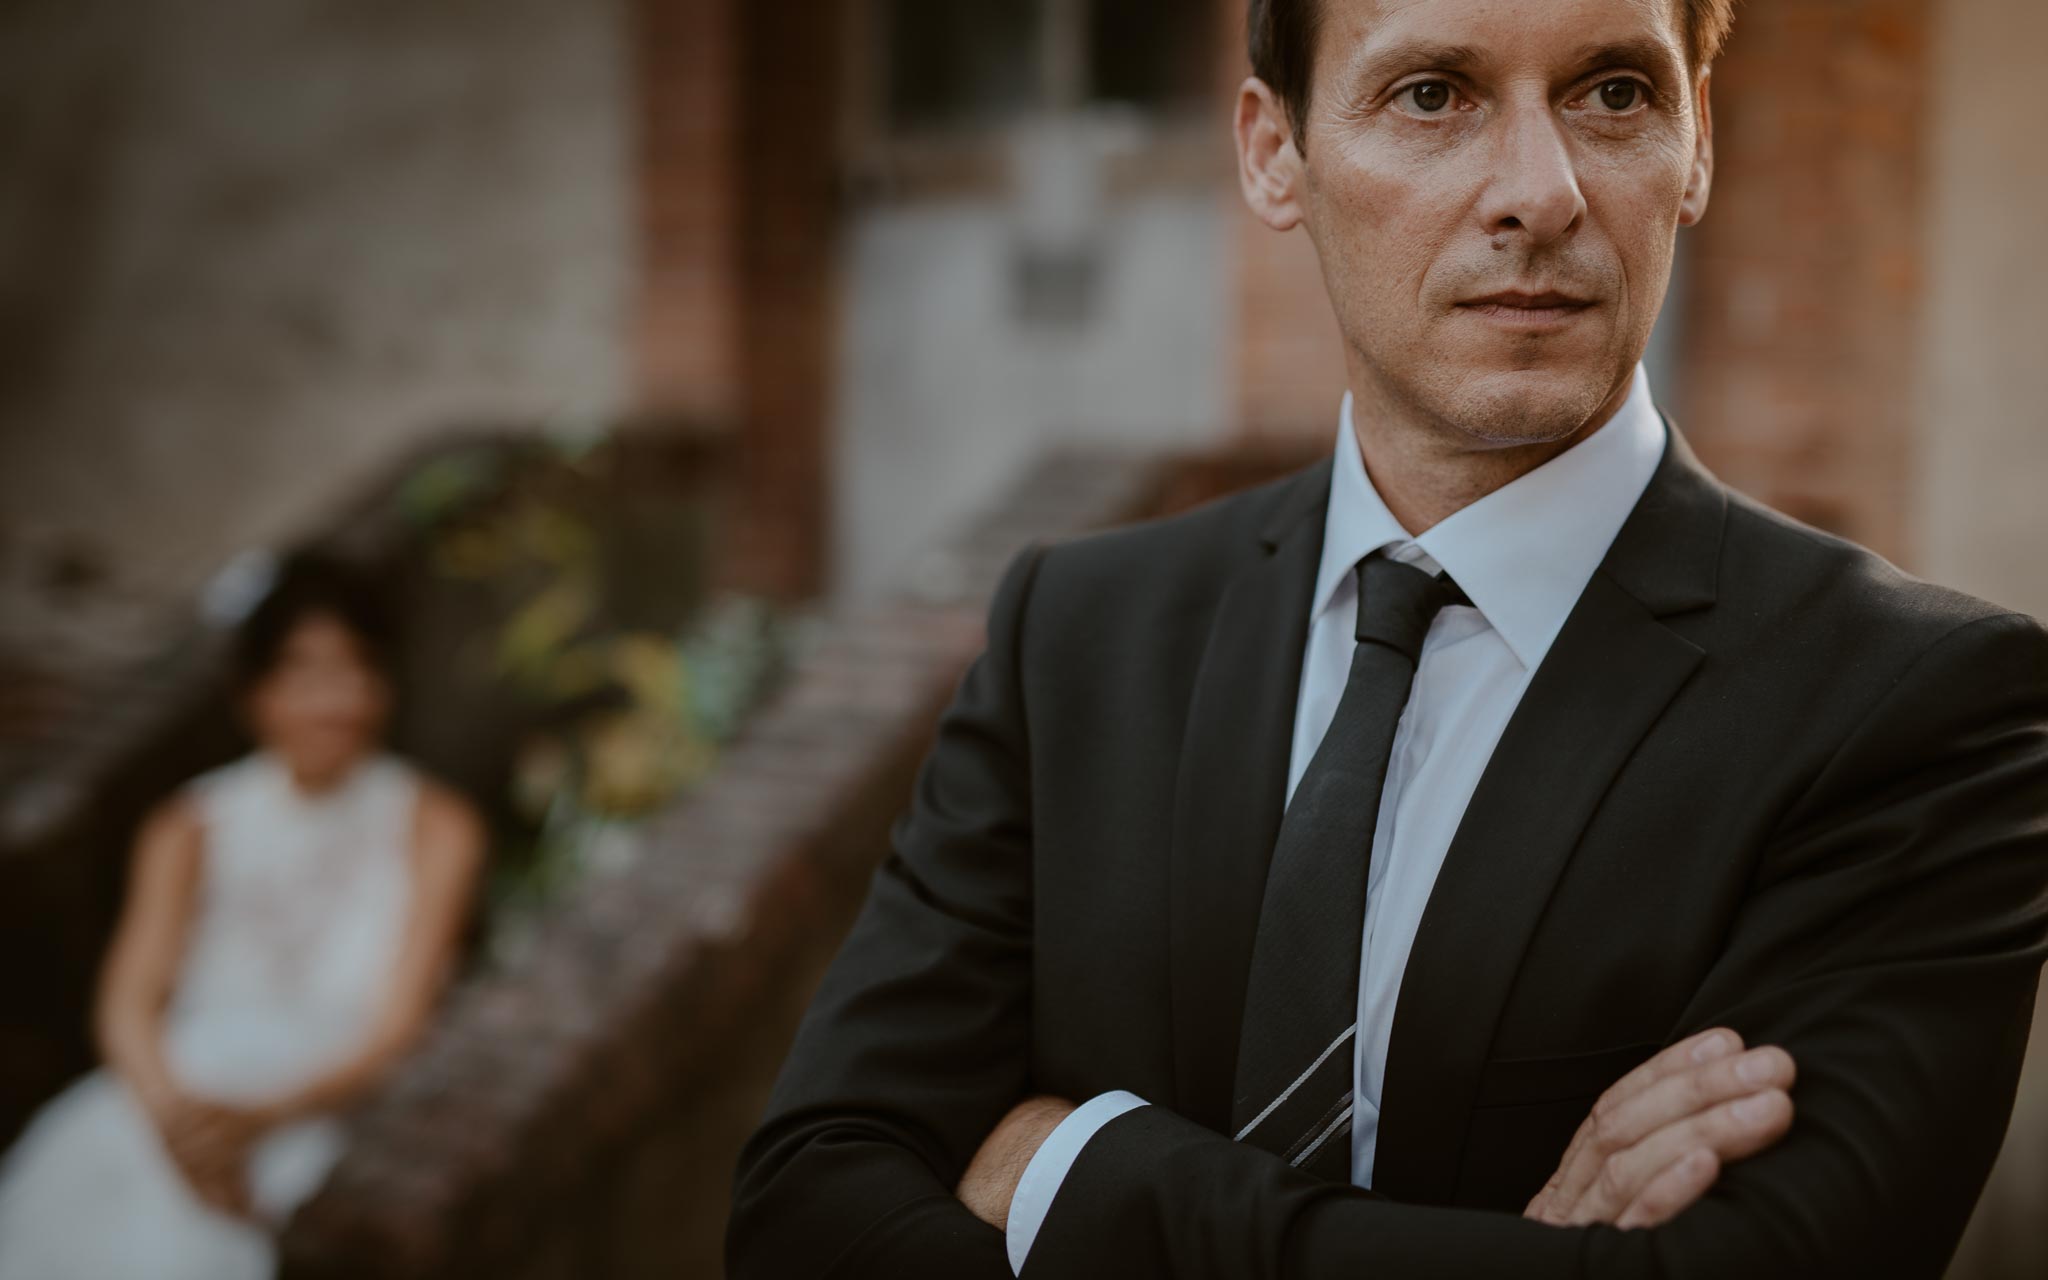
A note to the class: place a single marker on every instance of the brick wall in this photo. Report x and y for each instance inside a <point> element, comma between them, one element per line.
<point>253,249</point>
<point>1800,361</point>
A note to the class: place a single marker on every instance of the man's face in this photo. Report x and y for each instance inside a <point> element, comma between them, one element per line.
<point>1494,187</point>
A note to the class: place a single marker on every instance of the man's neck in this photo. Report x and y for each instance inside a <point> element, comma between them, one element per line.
<point>1427,472</point>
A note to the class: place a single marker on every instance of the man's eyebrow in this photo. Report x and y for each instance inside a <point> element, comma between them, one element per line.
<point>1415,55</point>
<point>1650,55</point>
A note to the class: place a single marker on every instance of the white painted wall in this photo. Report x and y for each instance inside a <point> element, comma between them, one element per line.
<point>944,394</point>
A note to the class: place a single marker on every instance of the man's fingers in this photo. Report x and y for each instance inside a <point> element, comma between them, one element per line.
<point>1706,1046</point>
<point>1594,1141</point>
<point>1671,1192</point>
<point>1733,1130</point>
<point>1673,1098</point>
<point>1692,1092</point>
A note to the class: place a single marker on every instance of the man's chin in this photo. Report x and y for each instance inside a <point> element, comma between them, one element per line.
<point>1539,405</point>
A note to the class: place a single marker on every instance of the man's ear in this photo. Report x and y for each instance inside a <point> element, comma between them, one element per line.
<point>1269,166</point>
<point>1694,206</point>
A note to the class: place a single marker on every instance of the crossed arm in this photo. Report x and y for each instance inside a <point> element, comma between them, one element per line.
<point>1903,908</point>
<point>1653,1143</point>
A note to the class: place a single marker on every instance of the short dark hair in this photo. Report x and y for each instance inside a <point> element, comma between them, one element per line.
<point>310,583</point>
<point>1282,38</point>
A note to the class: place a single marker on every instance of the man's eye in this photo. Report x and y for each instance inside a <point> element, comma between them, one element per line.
<point>1431,97</point>
<point>1621,95</point>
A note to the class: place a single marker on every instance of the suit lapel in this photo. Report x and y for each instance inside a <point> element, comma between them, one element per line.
<point>1607,678</point>
<point>1230,789</point>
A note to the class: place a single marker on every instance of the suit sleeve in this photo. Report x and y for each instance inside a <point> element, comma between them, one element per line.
<point>918,1039</point>
<point>1891,940</point>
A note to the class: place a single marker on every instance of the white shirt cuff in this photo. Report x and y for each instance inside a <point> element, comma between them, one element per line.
<point>1048,1168</point>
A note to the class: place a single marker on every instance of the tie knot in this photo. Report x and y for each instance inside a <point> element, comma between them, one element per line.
<point>1397,602</point>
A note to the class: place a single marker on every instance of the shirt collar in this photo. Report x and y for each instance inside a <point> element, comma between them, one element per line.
<point>1523,553</point>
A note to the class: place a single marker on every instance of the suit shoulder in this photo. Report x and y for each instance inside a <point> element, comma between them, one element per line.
<point>1781,565</point>
<point>1195,549</point>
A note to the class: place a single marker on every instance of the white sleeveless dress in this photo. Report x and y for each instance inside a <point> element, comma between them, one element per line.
<point>301,906</point>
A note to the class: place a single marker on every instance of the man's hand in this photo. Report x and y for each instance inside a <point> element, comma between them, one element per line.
<point>1657,1139</point>
<point>992,1176</point>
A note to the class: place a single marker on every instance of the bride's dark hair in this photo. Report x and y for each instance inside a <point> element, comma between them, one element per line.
<point>310,583</point>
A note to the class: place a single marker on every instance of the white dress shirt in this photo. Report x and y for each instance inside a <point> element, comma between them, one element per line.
<point>1522,554</point>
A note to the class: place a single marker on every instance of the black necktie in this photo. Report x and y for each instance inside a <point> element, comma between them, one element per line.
<point>1293,1093</point>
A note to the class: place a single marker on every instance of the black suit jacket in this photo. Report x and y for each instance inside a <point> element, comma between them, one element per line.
<point>1763,779</point>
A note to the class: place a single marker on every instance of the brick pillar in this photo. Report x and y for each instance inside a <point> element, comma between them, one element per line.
<point>794,52</point>
<point>686,341</point>
<point>1799,364</point>
<point>739,169</point>
<point>1289,355</point>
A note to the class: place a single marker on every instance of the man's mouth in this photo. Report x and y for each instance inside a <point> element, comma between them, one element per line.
<point>1524,309</point>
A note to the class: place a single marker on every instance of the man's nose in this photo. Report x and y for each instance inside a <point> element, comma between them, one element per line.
<point>1534,191</point>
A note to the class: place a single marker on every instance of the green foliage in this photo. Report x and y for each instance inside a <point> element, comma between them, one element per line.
<point>587,619</point>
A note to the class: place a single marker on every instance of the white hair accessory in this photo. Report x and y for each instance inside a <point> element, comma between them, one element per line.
<point>233,592</point>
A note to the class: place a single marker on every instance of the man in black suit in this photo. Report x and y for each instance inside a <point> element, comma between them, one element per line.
<point>1393,861</point>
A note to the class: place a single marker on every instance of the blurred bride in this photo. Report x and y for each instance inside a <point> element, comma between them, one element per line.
<point>290,920</point>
